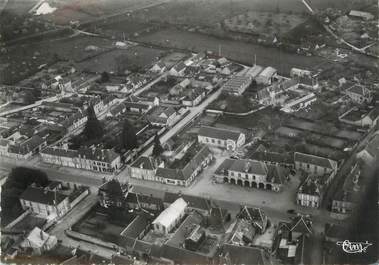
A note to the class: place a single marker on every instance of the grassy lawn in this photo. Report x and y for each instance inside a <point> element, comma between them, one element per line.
<point>98,223</point>
<point>120,60</point>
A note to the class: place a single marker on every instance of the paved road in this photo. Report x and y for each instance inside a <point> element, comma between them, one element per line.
<point>194,112</point>
<point>343,171</point>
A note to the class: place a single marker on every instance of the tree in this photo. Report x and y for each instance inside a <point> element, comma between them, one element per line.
<point>128,136</point>
<point>18,180</point>
<point>158,149</point>
<point>93,128</point>
<point>104,77</point>
<point>114,194</point>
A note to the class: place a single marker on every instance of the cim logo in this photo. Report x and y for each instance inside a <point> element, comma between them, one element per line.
<point>353,247</point>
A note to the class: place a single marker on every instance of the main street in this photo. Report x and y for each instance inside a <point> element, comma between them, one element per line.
<point>194,112</point>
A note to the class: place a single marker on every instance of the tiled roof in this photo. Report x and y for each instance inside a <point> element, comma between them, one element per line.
<point>301,224</point>
<point>276,174</point>
<point>310,187</point>
<point>236,82</point>
<point>136,227</point>
<point>196,161</point>
<point>42,196</point>
<point>193,201</point>
<point>144,162</point>
<point>254,215</point>
<point>224,167</point>
<point>219,133</point>
<point>315,160</point>
<point>272,157</point>
<point>245,255</point>
<point>182,256</point>
<point>249,166</point>
<point>143,199</point>
<point>268,72</point>
<point>190,167</point>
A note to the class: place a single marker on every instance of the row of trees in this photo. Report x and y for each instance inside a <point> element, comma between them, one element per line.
<point>18,180</point>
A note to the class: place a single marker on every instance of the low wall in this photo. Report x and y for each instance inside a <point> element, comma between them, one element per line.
<point>79,198</point>
<point>18,219</point>
<point>90,239</point>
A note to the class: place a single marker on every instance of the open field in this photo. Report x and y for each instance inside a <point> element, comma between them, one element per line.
<point>24,60</point>
<point>235,50</point>
<point>87,10</point>
<point>118,61</point>
<point>264,23</point>
<point>210,12</point>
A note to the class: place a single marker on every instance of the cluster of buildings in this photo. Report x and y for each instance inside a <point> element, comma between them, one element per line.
<point>185,165</point>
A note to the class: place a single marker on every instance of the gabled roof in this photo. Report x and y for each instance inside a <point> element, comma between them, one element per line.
<point>144,163</point>
<point>301,224</point>
<point>268,72</point>
<point>359,90</point>
<point>276,174</point>
<point>219,133</point>
<point>236,82</point>
<point>40,195</point>
<point>170,214</point>
<point>38,238</point>
<point>245,255</point>
<point>136,227</point>
<point>182,255</point>
<point>254,215</point>
<point>187,171</point>
<point>193,201</point>
<point>310,186</point>
<point>315,160</point>
<point>143,199</point>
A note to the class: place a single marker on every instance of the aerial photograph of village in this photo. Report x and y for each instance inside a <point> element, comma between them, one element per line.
<point>221,132</point>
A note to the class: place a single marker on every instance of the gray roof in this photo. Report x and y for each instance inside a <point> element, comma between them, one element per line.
<point>144,162</point>
<point>315,160</point>
<point>219,133</point>
<point>103,155</point>
<point>249,166</point>
<point>186,172</point>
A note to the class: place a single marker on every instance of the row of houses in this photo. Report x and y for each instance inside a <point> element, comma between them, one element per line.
<point>95,159</point>
<point>147,168</point>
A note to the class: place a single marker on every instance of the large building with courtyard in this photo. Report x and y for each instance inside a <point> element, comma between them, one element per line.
<point>251,173</point>
<point>223,138</point>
